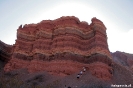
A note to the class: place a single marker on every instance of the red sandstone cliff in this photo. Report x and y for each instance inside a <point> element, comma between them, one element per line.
<point>62,47</point>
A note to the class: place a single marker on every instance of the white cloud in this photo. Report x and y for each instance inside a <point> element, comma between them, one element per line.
<point>80,10</point>
<point>120,41</point>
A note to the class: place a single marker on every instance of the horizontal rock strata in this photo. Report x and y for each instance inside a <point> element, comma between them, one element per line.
<point>99,67</point>
<point>65,38</point>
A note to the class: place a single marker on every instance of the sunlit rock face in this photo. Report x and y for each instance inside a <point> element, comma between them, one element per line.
<point>62,47</point>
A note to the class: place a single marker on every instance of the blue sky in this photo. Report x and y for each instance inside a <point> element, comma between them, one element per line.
<point>115,14</point>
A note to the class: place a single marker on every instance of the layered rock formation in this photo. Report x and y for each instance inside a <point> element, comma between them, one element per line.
<point>123,59</point>
<point>62,47</point>
<point>5,51</point>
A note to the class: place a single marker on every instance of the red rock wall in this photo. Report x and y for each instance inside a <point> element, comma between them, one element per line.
<point>101,70</point>
<point>65,38</point>
<point>66,34</point>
